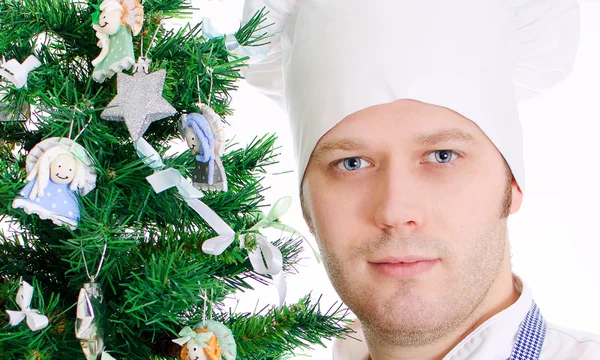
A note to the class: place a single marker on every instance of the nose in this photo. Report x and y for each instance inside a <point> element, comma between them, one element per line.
<point>398,202</point>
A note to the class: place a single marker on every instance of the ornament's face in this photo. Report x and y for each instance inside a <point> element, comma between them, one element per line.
<point>110,21</point>
<point>62,169</point>
<point>195,351</point>
<point>192,140</point>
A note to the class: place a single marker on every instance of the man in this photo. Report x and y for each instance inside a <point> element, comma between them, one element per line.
<point>405,125</point>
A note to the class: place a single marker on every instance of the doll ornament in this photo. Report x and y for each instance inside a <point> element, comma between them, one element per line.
<point>205,137</point>
<point>117,22</point>
<point>211,341</point>
<point>57,168</point>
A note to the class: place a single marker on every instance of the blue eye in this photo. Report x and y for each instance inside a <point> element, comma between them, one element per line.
<point>354,163</point>
<point>443,156</point>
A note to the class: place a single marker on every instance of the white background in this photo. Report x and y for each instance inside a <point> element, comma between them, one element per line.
<point>554,237</point>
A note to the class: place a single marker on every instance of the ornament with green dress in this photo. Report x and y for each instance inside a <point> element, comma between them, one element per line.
<point>118,22</point>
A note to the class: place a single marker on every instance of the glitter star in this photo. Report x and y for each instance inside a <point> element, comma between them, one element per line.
<point>139,102</point>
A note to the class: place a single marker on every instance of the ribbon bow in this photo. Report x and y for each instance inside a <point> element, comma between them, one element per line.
<point>188,334</point>
<point>35,320</point>
<point>232,45</point>
<point>279,209</point>
<point>16,72</point>
<point>274,263</point>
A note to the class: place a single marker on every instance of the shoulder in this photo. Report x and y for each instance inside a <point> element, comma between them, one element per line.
<point>561,341</point>
<point>353,347</point>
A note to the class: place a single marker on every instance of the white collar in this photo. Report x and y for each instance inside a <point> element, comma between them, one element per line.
<point>493,339</point>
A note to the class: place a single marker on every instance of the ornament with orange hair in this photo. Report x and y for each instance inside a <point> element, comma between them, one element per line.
<point>210,350</point>
<point>117,22</point>
<point>210,341</point>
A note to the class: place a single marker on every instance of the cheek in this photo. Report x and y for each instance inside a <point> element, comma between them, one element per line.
<point>113,21</point>
<point>338,213</point>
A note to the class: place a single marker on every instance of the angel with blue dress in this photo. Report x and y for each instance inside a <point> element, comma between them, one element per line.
<point>57,169</point>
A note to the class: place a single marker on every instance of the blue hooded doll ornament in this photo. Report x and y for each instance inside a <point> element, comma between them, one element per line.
<point>205,137</point>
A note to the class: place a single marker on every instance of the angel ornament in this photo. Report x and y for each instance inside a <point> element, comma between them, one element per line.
<point>57,168</point>
<point>116,23</point>
<point>205,137</point>
<point>210,341</point>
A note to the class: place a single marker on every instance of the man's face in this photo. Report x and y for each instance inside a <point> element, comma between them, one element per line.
<point>382,187</point>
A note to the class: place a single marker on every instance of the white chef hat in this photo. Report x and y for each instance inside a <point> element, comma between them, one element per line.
<point>331,58</point>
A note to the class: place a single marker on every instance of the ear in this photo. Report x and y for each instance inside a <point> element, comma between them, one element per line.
<point>517,196</point>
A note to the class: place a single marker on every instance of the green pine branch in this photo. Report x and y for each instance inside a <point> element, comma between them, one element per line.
<point>154,271</point>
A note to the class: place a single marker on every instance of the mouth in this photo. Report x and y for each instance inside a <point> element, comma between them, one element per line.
<point>404,267</point>
<point>103,25</point>
<point>62,178</point>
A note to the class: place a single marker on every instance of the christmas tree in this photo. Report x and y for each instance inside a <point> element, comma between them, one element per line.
<point>90,194</point>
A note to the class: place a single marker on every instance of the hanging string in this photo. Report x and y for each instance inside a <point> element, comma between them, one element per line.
<point>141,46</point>
<point>151,41</point>
<point>204,307</point>
<point>82,130</point>
<point>209,71</point>
<point>143,60</point>
<point>71,126</point>
<point>87,271</point>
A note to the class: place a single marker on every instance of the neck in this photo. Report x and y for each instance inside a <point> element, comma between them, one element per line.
<point>502,294</point>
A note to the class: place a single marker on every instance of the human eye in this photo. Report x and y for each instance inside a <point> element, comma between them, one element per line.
<point>350,164</point>
<point>442,157</point>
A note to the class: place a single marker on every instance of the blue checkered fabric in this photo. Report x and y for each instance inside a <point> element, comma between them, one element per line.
<point>531,336</point>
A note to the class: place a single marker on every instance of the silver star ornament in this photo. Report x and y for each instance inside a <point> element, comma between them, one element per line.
<point>139,102</point>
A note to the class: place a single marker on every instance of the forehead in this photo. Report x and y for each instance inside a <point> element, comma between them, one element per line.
<point>405,121</point>
<point>64,157</point>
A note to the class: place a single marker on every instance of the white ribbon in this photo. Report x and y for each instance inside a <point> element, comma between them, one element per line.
<point>106,356</point>
<point>254,54</point>
<point>35,320</point>
<point>280,207</point>
<point>16,72</point>
<point>166,179</point>
<point>274,263</point>
<point>148,154</point>
<point>162,180</point>
<point>169,178</point>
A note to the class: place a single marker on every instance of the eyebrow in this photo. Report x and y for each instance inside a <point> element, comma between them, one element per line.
<point>427,139</point>
<point>444,136</point>
<point>345,144</point>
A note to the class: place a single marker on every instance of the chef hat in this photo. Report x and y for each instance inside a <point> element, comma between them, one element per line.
<point>331,58</point>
